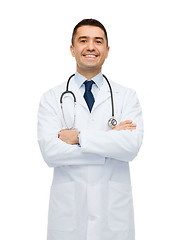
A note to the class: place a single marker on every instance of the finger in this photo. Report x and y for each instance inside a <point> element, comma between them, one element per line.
<point>130,128</point>
<point>125,122</point>
<point>128,125</point>
<point>119,128</point>
<point>131,125</point>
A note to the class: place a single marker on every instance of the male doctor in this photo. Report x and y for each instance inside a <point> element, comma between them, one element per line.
<point>91,196</point>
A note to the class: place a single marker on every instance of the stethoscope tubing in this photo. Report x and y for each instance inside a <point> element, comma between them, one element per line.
<point>112,102</point>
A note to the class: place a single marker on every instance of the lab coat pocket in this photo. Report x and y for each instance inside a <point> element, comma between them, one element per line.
<point>120,207</point>
<point>62,211</point>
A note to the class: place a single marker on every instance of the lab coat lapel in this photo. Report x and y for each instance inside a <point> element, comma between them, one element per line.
<point>79,97</point>
<point>103,95</point>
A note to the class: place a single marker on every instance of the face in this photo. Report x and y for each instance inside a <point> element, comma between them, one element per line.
<point>90,48</point>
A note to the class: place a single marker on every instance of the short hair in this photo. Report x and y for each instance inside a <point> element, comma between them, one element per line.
<point>88,22</point>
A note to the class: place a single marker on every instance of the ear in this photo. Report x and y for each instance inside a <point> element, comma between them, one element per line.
<point>72,50</point>
<point>107,51</point>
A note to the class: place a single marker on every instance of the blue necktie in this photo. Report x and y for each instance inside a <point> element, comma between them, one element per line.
<point>88,94</point>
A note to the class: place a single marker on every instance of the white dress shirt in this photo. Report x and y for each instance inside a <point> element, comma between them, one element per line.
<point>98,79</point>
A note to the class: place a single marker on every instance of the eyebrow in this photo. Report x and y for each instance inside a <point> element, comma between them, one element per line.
<point>101,38</point>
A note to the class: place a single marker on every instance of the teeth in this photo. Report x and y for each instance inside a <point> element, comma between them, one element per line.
<point>90,56</point>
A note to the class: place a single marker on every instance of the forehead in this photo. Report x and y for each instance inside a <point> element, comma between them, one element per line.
<point>90,31</point>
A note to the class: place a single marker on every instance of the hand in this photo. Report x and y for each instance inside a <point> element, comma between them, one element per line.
<point>125,125</point>
<point>68,136</point>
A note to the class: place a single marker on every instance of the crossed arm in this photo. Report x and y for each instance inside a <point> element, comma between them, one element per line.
<point>63,149</point>
<point>71,137</point>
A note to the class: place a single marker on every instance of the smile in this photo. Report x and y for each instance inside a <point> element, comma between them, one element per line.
<point>90,56</point>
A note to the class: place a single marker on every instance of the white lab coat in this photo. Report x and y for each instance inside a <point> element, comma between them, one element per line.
<point>90,197</point>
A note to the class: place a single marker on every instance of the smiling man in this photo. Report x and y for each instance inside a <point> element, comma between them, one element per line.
<point>90,145</point>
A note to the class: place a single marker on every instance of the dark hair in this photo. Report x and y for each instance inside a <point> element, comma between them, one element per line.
<point>89,22</point>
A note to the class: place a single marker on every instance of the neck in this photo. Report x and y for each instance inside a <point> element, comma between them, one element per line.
<point>88,74</point>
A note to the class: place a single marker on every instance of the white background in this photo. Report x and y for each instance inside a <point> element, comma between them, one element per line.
<point>144,39</point>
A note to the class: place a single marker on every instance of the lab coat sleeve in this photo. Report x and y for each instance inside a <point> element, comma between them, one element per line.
<point>54,151</point>
<point>122,145</point>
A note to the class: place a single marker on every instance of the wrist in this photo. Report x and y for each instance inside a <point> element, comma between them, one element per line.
<point>77,137</point>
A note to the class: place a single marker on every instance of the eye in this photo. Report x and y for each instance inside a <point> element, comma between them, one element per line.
<point>83,41</point>
<point>98,42</point>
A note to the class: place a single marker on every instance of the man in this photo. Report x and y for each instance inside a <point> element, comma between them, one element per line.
<point>91,197</point>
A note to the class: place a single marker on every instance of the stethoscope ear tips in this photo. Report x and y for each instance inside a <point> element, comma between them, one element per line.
<point>112,122</point>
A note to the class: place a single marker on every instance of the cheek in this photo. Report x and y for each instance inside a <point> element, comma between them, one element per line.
<point>103,56</point>
<point>78,53</point>
<point>103,52</point>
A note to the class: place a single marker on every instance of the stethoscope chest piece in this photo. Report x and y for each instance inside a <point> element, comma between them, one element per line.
<point>112,122</point>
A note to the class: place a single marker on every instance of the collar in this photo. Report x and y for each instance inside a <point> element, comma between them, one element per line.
<point>80,79</point>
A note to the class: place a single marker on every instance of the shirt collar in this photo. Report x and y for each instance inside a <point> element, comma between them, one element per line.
<point>80,79</point>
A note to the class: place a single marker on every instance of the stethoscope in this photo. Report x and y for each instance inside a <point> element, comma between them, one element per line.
<point>111,122</point>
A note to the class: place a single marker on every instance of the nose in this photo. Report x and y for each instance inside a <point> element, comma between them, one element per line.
<point>90,46</point>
